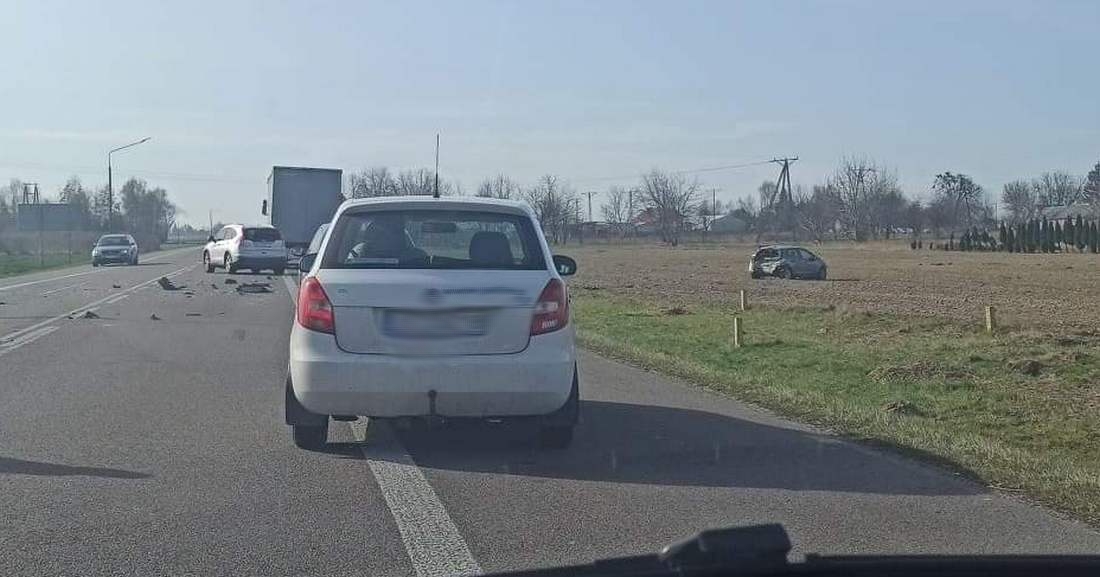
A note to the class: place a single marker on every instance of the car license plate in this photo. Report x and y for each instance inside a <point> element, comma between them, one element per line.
<point>434,324</point>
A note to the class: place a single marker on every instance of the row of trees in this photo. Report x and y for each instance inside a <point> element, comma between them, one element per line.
<point>862,199</point>
<point>1035,236</point>
<point>136,207</point>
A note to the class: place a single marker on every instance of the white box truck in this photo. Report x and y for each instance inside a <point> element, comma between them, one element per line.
<point>299,200</point>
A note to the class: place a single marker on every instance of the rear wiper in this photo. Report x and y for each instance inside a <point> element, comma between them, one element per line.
<point>762,550</point>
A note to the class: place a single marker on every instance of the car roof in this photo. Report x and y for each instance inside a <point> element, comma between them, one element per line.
<point>777,246</point>
<point>444,203</point>
<point>237,224</point>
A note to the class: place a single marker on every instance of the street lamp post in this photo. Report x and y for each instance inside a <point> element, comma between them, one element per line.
<point>110,187</point>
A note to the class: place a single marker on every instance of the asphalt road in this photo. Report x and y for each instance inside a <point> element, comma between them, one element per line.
<point>130,445</point>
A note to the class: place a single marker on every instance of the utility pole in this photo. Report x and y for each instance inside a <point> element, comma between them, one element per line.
<point>590,193</point>
<point>629,209</point>
<point>781,202</point>
<point>436,193</point>
<point>110,184</point>
<point>34,198</point>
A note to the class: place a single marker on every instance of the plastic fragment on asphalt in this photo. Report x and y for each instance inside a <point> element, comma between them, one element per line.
<point>193,314</point>
<point>167,284</point>
<point>154,317</point>
<point>254,288</point>
<point>89,315</point>
<point>116,286</point>
<point>230,281</point>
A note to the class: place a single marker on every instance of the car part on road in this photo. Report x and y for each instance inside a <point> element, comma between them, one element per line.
<point>206,263</point>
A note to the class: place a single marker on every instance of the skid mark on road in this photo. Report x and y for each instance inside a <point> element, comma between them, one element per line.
<point>25,339</point>
<point>64,288</point>
<point>432,541</point>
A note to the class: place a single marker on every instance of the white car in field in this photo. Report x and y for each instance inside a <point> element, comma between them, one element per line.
<point>236,247</point>
<point>440,308</point>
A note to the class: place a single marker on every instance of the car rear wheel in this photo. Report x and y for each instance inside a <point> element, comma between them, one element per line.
<point>209,266</point>
<point>821,274</point>
<point>783,272</point>
<point>230,267</point>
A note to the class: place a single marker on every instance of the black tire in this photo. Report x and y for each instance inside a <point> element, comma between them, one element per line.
<point>95,263</point>
<point>755,275</point>
<point>783,272</point>
<point>230,268</point>
<point>556,436</point>
<point>134,261</point>
<point>207,263</point>
<point>310,437</point>
<point>821,275</point>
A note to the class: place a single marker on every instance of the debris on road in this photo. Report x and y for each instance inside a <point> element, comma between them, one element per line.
<point>89,315</point>
<point>254,288</point>
<point>193,314</point>
<point>116,286</point>
<point>230,281</point>
<point>213,286</point>
<point>167,284</point>
<point>154,317</point>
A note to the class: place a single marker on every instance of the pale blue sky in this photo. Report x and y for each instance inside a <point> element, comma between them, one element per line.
<point>1000,90</point>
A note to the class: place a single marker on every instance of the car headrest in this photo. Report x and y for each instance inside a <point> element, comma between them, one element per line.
<point>490,249</point>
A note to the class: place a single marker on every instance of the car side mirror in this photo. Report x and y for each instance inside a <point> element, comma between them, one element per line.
<point>306,262</point>
<point>210,238</point>
<point>566,266</point>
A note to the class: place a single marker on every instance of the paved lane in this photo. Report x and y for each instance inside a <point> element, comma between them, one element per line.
<point>132,445</point>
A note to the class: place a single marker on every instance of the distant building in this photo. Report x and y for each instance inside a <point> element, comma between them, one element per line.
<point>729,224</point>
<point>1062,213</point>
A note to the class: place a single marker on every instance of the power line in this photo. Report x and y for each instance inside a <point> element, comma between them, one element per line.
<point>146,173</point>
<point>684,172</point>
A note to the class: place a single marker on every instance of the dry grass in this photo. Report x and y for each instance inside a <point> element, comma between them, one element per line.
<point>1052,292</point>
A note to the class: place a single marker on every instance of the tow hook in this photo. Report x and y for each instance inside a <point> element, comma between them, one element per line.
<point>434,420</point>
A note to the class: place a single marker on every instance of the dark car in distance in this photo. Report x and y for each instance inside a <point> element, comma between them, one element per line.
<point>785,261</point>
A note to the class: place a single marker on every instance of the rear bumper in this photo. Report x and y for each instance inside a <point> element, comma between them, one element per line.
<point>247,261</point>
<point>536,381</point>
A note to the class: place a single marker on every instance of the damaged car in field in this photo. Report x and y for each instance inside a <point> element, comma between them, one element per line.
<point>784,261</point>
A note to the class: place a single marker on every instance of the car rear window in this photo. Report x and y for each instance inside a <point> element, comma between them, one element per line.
<point>434,239</point>
<point>262,234</point>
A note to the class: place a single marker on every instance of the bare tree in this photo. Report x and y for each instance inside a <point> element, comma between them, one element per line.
<point>375,181</point>
<point>1057,188</point>
<point>419,182</point>
<point>616,209</point>
<point>555,206</point>
<point>857,183</point>
<point>966,196</point>
<point>818,211</point>
<point>1020,199</point>
<point>1091,188</point>
<point>670,197</point>
<point>499,186</point>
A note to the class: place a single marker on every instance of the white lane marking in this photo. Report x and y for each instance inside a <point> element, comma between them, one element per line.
<point>432,541</point>
<point>64,288</point>
<point>116,299</point>
<point>90,306</point>
<point>51,279</point>
<point>9,346</point>
<point>76,274</point>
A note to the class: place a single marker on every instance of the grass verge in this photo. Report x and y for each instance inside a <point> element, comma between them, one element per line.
<point>11,265</point>
<point>1019,410</point>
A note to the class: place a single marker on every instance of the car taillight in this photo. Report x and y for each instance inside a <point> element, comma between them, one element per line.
<point>314,308</point>
<point>551,310</point>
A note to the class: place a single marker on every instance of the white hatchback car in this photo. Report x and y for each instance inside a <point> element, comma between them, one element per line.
<point>440,308</point>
